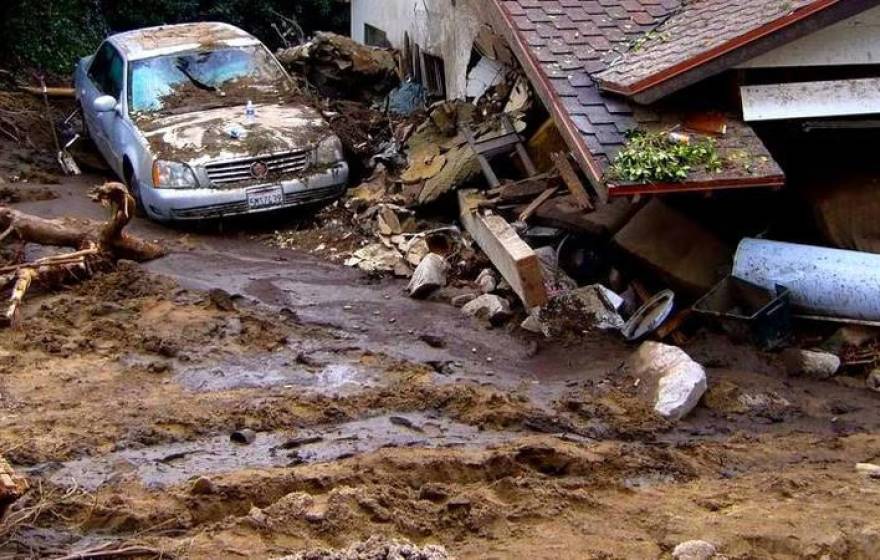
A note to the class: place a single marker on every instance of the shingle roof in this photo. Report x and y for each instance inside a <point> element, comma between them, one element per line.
<point>568,42</point>
<point>572,40</point>
<point>696,32</point>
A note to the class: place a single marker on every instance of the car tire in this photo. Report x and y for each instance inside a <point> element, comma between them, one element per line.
<point>84,128</point>
<point>134,188</point>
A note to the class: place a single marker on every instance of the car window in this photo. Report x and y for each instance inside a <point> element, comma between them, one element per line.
<point>106,71</point>
<point>195,80</point>
<point>113,83</point>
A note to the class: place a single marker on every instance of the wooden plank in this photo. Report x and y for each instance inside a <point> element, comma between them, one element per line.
<point>485,166</point>
<point>537,203</point>
<point>566,171</point>
<point>854,41</point>
<point>799,100</point>
<point>510,255</point>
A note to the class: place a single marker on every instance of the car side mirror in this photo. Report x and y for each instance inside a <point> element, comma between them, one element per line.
<point>104,104</point>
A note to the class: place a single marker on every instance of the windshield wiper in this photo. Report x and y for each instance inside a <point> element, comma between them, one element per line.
<point>182,64</point>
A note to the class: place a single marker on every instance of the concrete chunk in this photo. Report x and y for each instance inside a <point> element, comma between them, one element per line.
<point>429,276</point>
<point>670,378</point>
<point>489,307</point>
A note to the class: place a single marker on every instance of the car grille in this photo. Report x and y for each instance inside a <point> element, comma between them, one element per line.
<point>231,208</point>
<point>239,170</point>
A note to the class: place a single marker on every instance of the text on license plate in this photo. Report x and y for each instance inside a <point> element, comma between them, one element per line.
<point>264,197</point>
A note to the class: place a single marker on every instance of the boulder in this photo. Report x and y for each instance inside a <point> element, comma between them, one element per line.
<point>489,307</point>
<point>672,381</point>
<point>694,550</point>
<point>429,276</point>
<point>819,365</point>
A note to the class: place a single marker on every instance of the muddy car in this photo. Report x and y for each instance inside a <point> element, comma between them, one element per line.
<point>201,121</point>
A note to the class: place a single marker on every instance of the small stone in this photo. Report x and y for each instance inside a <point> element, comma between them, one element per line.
<point>491,308</point>
<point>203,485</point>
<point>818,365</point>
<point>487,281</point>
<point>433,341</point>
<point>873,380</point>
<point>694,550</point>
<point>868,469</point>
<point>221,299</point>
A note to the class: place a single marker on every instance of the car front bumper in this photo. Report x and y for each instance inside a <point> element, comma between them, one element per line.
<point>203,204</point>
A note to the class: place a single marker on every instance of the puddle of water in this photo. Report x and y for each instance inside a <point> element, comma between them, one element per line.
<point>165,465</point>
<point>255,372</point>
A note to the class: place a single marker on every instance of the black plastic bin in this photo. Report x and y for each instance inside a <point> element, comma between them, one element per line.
<point>749,311</point>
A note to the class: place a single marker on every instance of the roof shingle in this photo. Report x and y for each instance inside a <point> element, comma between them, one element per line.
<point>694,30</point>
<point>569,42</point>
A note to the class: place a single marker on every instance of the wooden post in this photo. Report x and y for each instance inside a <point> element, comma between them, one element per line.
<point>510,255</point>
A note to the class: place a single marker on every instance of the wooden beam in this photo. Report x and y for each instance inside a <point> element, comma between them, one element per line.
<point>799,100</point>
<point>537,203</point>
<point>566,171</point>
<point>510,255</point>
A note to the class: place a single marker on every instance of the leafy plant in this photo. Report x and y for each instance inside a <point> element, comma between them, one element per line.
<point>650,157</point>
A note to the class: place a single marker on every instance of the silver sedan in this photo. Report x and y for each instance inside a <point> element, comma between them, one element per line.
<point>201,121</point>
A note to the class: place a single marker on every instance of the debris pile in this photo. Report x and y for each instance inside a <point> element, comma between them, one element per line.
<point>376,548</point>
<point>339,67</point>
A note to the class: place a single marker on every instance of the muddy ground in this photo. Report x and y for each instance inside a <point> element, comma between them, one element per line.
<point>378,415</point>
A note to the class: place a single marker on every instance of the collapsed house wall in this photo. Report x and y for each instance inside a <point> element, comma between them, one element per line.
<point>441,28</point>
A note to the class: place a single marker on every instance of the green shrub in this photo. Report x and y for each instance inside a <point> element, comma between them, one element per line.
<point>650,157</point>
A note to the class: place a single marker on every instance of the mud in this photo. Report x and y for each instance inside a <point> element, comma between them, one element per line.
<point>131,383</point>
<point>165,465</point>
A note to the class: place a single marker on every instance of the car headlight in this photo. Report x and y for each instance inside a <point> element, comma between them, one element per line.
<point>329,150</point>
<point>172,175</point>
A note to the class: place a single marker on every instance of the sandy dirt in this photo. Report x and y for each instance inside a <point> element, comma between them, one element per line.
<point>377,416</point>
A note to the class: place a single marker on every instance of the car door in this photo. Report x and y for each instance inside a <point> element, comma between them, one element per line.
<point>93,88</point>
<point>105,77</point>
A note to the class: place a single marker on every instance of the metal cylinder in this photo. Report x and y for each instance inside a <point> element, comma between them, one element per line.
<point>828,282</point>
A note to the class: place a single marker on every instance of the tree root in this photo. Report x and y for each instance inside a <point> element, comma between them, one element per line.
<point>94,244</point>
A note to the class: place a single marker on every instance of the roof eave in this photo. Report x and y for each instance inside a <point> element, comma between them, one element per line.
<point>632,189</point>
<point>745,47</point>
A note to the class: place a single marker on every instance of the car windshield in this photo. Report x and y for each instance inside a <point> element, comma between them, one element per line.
<point>199,80</point>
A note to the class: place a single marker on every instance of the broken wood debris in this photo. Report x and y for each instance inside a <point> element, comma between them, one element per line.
<point>510,255</point>
<point>96,245</point>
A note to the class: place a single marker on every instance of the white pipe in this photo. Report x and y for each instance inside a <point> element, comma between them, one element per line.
<point>828,282</point>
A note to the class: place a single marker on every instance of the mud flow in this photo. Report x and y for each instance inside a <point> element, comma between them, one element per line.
<point>211,424</point>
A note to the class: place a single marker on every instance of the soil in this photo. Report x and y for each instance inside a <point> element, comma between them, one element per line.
<point>379,417</point>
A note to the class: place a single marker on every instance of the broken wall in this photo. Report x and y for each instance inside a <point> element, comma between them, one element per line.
<point>442,28</point>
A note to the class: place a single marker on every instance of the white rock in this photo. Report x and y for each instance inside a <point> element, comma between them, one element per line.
<point>868,469</point>
<point>490,307</point>
<point>487,281</point>
<point>820,365</point>
<point>694,550</point>
<point>429,276</point>
<point>671,379</point>
<point>533,323</point>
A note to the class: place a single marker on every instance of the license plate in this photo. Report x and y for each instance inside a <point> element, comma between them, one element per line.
<point>265,197</point>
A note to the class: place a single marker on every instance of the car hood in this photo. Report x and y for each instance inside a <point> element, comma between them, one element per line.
<point>226,133</point>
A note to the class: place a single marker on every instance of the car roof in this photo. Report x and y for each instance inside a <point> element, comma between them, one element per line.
<point>169,39</point>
